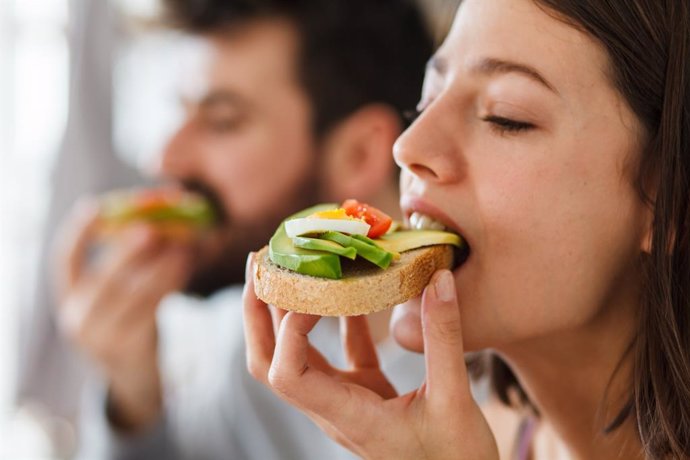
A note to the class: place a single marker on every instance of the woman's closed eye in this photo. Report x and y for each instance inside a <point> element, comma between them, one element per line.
<point>506,125</point>
<point>502,125</point>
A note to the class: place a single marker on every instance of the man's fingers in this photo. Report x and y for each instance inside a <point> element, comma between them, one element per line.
<point>112,277</point>
<point>258,328</point>
<point>359,347</point>
<point>73,241</point>
<point>109,308</point>
<point>136,244</point>
<point>165,273</point>
<point>443,348</point>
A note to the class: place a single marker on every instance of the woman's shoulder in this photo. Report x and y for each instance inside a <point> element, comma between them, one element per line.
<point>505,423</point>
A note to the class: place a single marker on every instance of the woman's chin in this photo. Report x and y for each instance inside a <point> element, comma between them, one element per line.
<point>406,325</point>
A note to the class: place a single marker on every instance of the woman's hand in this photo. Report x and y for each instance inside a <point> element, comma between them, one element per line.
<point>359,407</point>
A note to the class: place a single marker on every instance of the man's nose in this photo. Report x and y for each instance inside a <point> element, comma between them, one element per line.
<point>175,159</point>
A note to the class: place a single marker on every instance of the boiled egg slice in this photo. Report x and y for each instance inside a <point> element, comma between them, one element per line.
<point>335,220</point>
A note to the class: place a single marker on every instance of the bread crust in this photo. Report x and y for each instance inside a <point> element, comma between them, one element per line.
<point>362,290</point>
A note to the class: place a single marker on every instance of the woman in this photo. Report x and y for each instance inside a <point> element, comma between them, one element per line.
<point>554,136</point>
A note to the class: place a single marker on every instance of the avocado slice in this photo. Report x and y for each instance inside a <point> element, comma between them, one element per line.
<point>284,253</point>
<point>365,239</point>
<point>324,245</point>
<point>370,252</point>
<point>412,239</point>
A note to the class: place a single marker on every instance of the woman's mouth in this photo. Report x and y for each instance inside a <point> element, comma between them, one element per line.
<point>420,221</point>
<point>422,214</point>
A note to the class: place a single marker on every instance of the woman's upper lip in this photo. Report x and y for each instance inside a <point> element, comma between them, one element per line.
<point>410,204</point>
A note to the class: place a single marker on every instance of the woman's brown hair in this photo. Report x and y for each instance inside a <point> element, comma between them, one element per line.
<point>648,44</point>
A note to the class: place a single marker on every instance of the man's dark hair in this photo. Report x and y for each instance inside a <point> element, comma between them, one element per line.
<point>352,52</point>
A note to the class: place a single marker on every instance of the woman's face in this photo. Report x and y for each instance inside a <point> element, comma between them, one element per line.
<point>526,149</point>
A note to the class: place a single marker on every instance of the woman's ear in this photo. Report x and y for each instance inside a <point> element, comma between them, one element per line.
<point>357,153</point>
<point>647,242</point>
<point>648,233</point>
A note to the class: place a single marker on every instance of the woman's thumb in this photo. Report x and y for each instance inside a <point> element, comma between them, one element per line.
<point>443,347</point>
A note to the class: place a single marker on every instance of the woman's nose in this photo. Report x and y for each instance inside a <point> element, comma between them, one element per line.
<point>429,148</point>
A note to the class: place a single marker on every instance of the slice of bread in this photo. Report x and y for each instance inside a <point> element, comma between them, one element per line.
<point>363,289</point>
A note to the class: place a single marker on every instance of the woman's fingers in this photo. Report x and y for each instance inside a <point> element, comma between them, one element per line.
<point>446,381</point>
<point>277,314</point>
<point>360,351</point>
<point>293,375</point>
<point>347,411</point>
<point>258,328</point>
<point>298,372</point>
<point>315,356</point>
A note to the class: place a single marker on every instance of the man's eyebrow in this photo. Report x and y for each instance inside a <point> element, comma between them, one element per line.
<point>222,97</point>
<point>490,66</point>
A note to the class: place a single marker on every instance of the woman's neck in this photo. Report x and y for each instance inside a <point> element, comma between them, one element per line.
<point>579,381</point>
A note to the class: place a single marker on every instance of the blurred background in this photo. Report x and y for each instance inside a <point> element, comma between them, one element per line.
<point>70,107</point>
<point>87,94</point>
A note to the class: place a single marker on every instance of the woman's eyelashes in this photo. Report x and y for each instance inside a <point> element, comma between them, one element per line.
<point>504,125</point>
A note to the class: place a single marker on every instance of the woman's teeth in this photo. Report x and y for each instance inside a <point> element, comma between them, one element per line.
<point>419,221</point>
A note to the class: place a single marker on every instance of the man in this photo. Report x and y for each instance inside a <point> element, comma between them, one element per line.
<point>299,104</point>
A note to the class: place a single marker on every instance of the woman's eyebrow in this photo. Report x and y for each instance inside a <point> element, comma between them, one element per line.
<point>492,66</point>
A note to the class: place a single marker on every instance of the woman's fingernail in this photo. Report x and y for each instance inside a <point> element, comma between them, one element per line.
<point>445,286</point>
<point>248,267</point>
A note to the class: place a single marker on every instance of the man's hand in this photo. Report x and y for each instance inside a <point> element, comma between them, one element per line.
<point>108,303</point>
<point>357,407</point>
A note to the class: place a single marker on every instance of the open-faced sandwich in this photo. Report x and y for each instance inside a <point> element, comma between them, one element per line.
<point>176,213</point>
<point>347,260</point>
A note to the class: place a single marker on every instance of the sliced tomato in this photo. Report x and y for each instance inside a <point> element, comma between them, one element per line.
<point>149,200</point>
<point>380,221</point>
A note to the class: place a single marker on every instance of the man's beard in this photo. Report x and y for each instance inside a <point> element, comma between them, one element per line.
<point>225,267</point>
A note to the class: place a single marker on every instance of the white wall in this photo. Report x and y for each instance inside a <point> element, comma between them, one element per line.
<point>33,94</point>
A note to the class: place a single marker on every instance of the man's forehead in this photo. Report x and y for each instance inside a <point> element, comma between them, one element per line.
<point>249,58</point>
<point>258,52</point>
